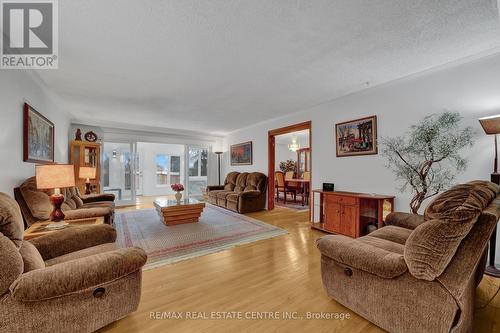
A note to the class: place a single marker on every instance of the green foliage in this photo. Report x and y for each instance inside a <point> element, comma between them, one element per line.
<point>289,165</point>
<point>428,158</point>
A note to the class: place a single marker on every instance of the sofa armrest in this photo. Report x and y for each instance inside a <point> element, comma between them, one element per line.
<point>97,197</point>
<point>77,275</point>
<point>215,187</point>
<point>404,220</point>
<point>362,256</point>
<point>73,239</point>
<point>88,212</point>
<point>250,194</point>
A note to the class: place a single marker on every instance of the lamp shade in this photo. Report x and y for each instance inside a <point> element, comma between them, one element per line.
<point>491,124</point>
<point>87,172</point>
<point>53,176</point>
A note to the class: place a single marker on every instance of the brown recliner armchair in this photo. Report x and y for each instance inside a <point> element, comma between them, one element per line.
<point>242,192</point>
<point>35,204</point>
<point>419,273</point>
<point>73,280</point>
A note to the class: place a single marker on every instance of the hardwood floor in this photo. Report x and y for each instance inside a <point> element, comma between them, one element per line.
<point>280,274</point>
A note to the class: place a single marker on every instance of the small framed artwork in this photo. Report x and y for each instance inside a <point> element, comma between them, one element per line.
<point>241,154</point>
<point>38,137</point>
<point>356,137</point>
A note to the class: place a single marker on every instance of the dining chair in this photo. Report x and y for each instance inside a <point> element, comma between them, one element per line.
<point>291,185</point>
<point>280,186</point>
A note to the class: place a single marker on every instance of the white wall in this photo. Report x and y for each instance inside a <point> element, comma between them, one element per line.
<point>473,89</point>
<point>283,154</point>
<point>16,88</point>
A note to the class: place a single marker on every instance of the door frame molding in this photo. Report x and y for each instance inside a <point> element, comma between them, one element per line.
<point>307,125</point>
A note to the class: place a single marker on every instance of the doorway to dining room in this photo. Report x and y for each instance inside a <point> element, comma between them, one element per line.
<point>290,166</point>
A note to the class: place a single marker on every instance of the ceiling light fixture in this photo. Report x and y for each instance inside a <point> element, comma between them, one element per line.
<point>294,146</point>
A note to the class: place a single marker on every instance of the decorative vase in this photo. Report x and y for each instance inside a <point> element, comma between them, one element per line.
<point>178,196</point>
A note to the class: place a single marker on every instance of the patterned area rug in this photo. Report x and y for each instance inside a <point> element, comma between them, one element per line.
<point>217,230</point>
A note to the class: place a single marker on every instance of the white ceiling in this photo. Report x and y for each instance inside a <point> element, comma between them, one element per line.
<point>216,66</point>
<point>302,138</point>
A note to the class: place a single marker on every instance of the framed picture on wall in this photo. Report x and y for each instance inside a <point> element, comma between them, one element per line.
<point>38,137</point>
<point>356,137</point>
<point>241,154</point>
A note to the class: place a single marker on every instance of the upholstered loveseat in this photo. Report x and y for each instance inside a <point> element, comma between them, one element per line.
<point>73,280</point>
<point>242,192</point>
<point>418,273</point>
<point>35,204</point>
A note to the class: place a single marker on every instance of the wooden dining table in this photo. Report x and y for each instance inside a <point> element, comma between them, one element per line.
<point>304,186</point>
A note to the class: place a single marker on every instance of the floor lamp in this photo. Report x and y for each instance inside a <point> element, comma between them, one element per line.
<point>218,162</point>
<point>491,125</point>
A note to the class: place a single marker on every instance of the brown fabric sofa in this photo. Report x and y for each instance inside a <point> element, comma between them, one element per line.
<point>242,192</point>
<point>418,273</point>
<point>35,204</point>
<point>73,280</point>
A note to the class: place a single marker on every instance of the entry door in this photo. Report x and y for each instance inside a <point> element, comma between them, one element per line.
<point>118,165</point>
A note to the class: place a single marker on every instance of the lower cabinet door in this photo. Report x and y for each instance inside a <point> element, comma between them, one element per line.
<point>349,220</point>
<point>333,216</point>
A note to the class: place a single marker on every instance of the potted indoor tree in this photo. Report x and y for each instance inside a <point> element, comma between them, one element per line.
<point>428,157</point>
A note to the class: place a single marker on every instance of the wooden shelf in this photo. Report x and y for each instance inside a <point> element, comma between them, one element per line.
<point>83,153</point>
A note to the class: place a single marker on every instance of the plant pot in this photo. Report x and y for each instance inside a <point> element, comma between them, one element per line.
<point>178,197</point>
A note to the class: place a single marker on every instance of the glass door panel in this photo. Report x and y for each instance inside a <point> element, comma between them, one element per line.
<point>197,171</point>
<point>117,171</point>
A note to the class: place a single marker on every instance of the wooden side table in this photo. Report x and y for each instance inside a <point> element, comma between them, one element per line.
<point>40,228</point>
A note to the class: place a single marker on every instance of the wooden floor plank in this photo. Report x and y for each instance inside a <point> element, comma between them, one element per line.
<point>279,274</point>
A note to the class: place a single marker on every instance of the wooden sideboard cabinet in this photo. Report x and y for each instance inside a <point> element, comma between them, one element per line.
<point>350,213</point>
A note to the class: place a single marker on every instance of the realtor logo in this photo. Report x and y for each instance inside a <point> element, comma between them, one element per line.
<point>29,38</point>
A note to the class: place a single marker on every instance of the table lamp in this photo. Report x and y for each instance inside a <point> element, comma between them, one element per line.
<point>55,176</point>
<point>491,125</point>
<point>87,173</point>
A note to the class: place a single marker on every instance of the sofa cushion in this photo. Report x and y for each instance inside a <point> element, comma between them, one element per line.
<point>256,181</point>
<point>383,244</point>
<point>393,234</point>
<point>368,254</point>
<point>11,220</point>
<point>432,245</point>
<point>462,202</point>
<point>230,182</point>
<point>233,197</point>
<point>37,201</point>
<point>214,193</point>
<point>78,201</point>
<point>241,182</point>
<point>31,257</point>
<point>223,194</point>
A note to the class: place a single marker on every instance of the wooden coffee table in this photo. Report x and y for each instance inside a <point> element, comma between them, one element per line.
<point>40,228</point>
<point>186,211</point>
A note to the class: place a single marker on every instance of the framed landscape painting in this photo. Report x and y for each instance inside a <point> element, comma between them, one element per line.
<point>241,153</point>
<point>357,137</point>
<point>38,145</point>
